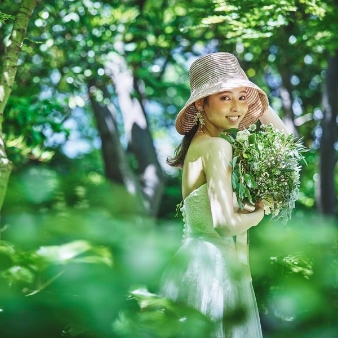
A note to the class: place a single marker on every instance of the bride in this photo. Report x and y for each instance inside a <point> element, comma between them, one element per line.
<point>210,272</point>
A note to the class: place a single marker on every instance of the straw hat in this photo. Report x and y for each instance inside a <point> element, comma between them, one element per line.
<point>214,73</point>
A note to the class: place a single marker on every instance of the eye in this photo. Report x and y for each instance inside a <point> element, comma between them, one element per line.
<point>225,98</point>
<point>243,98</point>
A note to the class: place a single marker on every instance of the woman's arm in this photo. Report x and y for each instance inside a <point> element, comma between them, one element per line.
<point>270,116</point>
<point>217,154</point>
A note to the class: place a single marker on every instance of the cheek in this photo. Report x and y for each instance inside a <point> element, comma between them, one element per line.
<point>245,106</point>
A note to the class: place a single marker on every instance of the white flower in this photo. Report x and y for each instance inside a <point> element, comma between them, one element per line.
<point>252,127</point>
<point>267,210</point>
<point>268,205</point>
<point>242,136</point>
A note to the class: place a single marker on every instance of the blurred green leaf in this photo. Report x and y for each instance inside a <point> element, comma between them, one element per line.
<point>16,274</point>
<point>67,253</point>
<point>160,317</point>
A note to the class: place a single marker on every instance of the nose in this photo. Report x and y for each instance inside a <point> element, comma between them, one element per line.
<point>234,106</point>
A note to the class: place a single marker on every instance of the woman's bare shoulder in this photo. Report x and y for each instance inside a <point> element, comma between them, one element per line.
<point>215,152</point>
<point>216,144</point>
<point>209,147</point>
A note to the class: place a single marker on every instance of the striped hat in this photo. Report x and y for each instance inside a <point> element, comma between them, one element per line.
<point>215,73</point>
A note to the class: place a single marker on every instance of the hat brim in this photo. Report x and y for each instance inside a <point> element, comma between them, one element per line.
<point>257,100</point>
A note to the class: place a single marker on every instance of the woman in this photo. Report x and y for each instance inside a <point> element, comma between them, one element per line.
<point>211,271</point>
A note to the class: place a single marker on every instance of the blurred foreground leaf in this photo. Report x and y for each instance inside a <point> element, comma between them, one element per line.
<point>161,318</point>
<point>62,254</point>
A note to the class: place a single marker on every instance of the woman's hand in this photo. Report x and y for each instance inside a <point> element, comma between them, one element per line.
<point>260,209</point>
<point>259,205</point>
<point>249,207</point>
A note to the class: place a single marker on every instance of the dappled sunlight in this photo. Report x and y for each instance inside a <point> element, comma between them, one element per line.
<point>221,209</point>
<point>80,256</point>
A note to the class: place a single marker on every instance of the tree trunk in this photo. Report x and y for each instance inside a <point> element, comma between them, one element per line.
<point>116,164</point>
<point>7,76</point>
<point>12,52</point>
<point>286,97</point>
<point>326,197</point>
<point>285,90</point>
<point>112,151</point>
<point>138,135</point>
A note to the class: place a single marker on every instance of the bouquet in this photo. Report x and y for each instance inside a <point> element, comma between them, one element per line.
<point>265,167</point>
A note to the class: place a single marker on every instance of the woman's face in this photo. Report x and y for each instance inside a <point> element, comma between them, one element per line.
<point>225,110</point>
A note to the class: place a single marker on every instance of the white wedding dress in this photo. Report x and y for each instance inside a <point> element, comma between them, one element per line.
<point>211,273</point>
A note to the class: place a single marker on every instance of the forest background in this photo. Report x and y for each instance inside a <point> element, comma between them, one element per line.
<point>89,91</point>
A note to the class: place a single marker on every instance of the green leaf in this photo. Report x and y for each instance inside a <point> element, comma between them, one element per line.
<point>231,130</point>
<point>250,182</point>
<point>45,284</point>
<point>248,195</point>
<point>18,274</point>
<point>63,253</point>
<point>178,208</point>
<point>241,188</point>
<point>93,260</point>
<point>252,138</point>
<point>228,138</point>
<point>66,253</point>
<point>234,180</point>
<point>233,162</point>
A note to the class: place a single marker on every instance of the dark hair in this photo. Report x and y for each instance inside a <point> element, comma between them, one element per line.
<point>181,151</point>
<point>178,159</point>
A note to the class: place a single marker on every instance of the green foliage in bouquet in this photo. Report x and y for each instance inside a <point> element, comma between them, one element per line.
<point>265,167</point>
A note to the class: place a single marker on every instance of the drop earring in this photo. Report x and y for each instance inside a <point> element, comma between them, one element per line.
<point>199,118</point>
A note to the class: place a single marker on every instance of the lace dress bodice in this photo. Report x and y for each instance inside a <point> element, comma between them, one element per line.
<point>197,216</point>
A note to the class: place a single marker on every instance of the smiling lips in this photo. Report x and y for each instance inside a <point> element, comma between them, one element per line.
<point>233,118</point>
